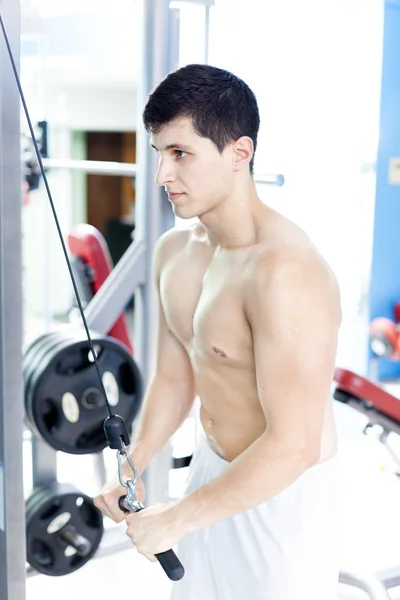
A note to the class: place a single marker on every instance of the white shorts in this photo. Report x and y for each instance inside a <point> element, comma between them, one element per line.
<point>284,549</point>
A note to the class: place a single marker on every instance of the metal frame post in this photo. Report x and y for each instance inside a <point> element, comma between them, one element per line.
<point>12,508</point>
<point>368,582</point>
<point>44,462</point>
<point>153,215</point>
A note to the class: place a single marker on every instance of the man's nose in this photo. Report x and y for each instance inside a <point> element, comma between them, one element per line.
<point>165,173</point>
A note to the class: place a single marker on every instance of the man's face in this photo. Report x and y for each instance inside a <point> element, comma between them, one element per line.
<point>195,175</point>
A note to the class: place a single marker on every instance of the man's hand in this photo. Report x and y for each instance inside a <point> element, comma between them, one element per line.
<point>107,500</point>
<point>154,529</point>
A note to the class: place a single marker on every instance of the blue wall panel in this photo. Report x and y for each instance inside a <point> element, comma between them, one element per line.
<point>385,274</point>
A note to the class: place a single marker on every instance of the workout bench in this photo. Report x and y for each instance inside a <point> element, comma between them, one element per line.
<point>383,409</point>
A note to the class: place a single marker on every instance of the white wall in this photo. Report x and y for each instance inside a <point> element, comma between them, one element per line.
<point>314,65</point>
<point>81,62</point>
<point>80,65</point>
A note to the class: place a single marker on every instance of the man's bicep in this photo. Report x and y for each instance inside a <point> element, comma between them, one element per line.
<point>172,359</point>
<point>294,328</point>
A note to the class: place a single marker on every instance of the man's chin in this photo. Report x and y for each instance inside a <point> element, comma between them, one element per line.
<point>181,213</point>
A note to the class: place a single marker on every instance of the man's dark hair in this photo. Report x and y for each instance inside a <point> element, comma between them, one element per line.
<point>221,106</point>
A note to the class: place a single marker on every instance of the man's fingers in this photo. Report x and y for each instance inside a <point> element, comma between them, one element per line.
<point>150,557</point>
<point>115,513</point>
<point>110,509</point>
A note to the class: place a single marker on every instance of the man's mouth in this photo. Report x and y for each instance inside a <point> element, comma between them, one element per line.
<point>173,196</point>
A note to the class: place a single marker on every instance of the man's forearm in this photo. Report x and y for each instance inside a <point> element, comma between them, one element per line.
<point>262,471</point>
<point>165,407</point>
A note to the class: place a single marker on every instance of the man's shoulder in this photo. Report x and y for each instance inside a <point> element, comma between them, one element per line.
<point>289,274</point>
<point>290,261</point>
<point>174,241</point>
<point>283,244</point>
<point>174,237</point>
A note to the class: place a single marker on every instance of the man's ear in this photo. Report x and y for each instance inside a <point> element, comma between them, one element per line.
<point>243,150</point>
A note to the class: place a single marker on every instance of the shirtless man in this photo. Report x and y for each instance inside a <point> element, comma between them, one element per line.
<point>249,314</point>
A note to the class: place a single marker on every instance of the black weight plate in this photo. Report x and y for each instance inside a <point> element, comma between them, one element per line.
<point>34,360</point>
<point>30,357</point>
<point>30,348</point>
<point>50,511</point>
<point>35,351</point>
<point>57,340</point>
<point>33,348</point>
<point>53,341</point>
<point>34,343</point>
<point>59,399</point>
<point>29,363</point>
<point>46,349</point>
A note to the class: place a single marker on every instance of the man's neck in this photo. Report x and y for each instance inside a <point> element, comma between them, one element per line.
<point>233,224</point>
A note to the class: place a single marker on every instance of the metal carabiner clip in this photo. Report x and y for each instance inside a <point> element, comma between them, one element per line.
<point>128,503</point>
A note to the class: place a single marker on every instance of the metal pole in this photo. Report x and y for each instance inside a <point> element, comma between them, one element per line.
<point>92,167</point>
<point>153,217</point>
<point>12,509</point>
<point>150,197</point>
<point>277,180</point>
<point>207,35</point>
<point>368,582</point>
<point>102,167</point>
<point>130,273</point>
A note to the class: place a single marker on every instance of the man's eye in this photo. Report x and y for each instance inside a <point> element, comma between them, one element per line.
<point>180,153</point>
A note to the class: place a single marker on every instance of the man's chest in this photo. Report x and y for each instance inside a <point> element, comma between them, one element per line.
<point>204,307</point>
